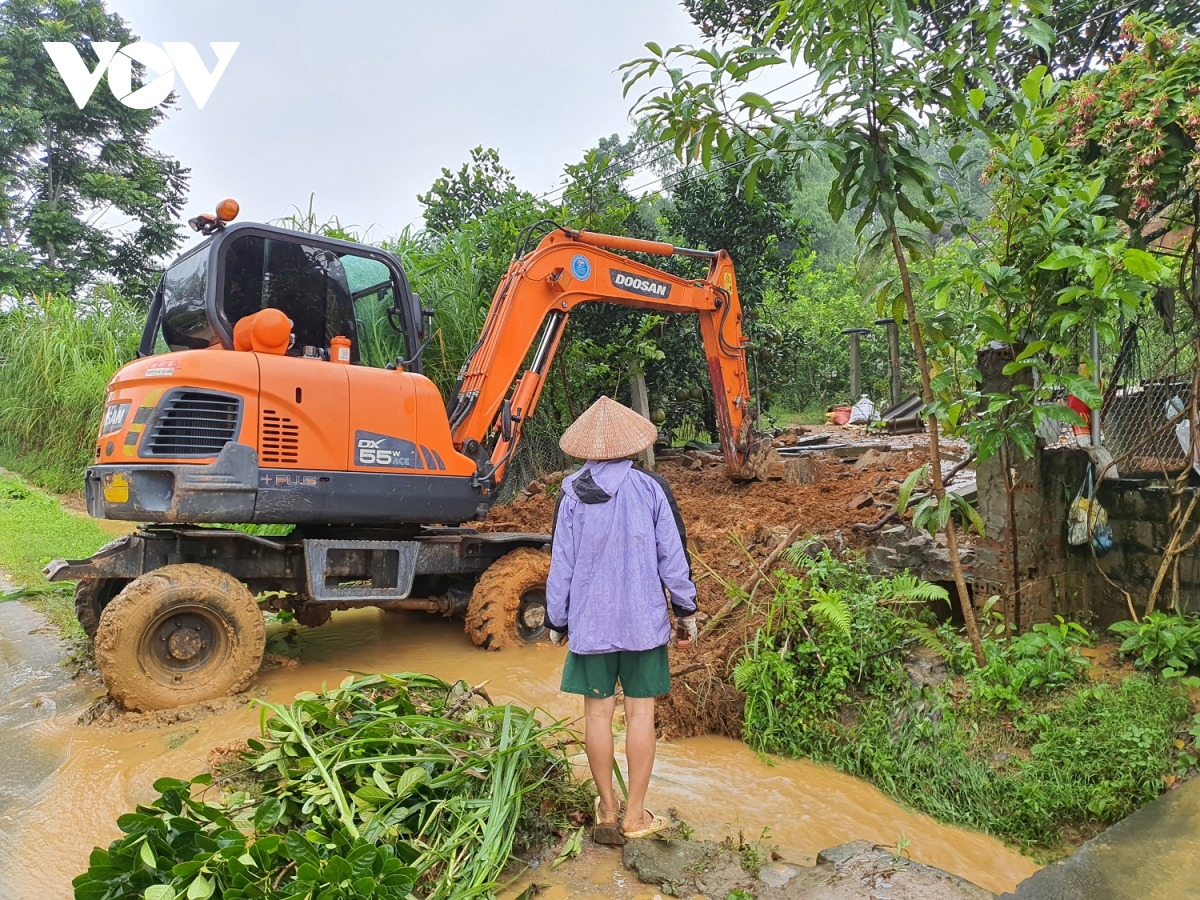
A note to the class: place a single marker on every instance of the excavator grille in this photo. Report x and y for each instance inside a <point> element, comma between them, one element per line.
<point>192,423</point>
<point>280,438</point>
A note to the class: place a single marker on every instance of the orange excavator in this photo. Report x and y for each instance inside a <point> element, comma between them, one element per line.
<point>251,403</point>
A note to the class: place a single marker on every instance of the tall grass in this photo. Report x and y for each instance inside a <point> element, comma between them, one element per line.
<point>450,274</point>
<point>56,357</point>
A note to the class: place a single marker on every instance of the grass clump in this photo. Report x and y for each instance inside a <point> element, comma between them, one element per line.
<point>57,355</point>
<point>387,785</point>
<point>34,529</point>
<point>1027,748</point>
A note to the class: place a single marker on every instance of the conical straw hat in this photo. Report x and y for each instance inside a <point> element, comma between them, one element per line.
<point>608,430</point>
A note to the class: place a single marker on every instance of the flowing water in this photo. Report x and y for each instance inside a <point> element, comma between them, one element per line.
<point>66,783</point>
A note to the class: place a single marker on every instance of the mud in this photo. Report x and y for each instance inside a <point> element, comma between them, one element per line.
<point>714,507</point>
<point>85,776</point>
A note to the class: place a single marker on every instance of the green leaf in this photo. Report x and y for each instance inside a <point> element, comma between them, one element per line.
<point>906,488</point>
<point>976,97</point>
<point>159,892</point>
<point>1041,34</point>
<point>1142,264</point>
<point>1085,389</point>
<point>147,856</point>
<point>200,889</point>
<point>409,780</point>
<point>956,152</point>
<point>268,814</point>
<point>1036,147</point>
<point>1066,257</point>
<point>756,101</point>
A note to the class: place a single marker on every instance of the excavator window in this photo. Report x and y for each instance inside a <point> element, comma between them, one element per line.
<point>307,283</point>
<point>185,324</point>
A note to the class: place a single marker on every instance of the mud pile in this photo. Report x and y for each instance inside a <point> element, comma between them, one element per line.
<point>732,529</point>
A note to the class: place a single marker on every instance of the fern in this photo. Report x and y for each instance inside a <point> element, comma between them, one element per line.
<point>799,554</point>
<point>909,588</point>
<point>924,635</point>
<point>832,611</point>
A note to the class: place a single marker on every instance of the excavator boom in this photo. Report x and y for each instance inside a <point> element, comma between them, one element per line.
<point>537,295</point>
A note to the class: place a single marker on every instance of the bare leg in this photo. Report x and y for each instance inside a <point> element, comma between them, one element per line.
<point>598,741</point>
<point>639,750</point>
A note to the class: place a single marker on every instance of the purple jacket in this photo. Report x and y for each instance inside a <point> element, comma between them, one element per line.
<point>618,541</point>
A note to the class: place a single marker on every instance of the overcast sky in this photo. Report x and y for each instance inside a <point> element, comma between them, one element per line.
<point>363,103</point>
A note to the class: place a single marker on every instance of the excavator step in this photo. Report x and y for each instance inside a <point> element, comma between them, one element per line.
<point>360,570</point>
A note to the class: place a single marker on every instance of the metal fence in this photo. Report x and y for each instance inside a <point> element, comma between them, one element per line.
<point>1148,398</point>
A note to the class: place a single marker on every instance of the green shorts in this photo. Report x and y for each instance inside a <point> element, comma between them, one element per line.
<point>643,673</point>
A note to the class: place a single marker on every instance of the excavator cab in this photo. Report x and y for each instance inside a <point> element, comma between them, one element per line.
<point>328,288</point>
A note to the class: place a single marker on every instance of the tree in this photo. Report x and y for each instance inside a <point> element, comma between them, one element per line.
<point>1069,37</point>
<point>873,83</point>
<point>457,198</point>
<point>66,173</point>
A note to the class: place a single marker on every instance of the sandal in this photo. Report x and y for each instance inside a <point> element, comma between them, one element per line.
<point>657,824</point>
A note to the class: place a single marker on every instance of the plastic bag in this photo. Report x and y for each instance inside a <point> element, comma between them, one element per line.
<point>862,412</point>
<point>1087,520</point>
<point>1102,533</point>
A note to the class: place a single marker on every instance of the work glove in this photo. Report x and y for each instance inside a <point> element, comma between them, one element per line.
<point>557,638</point>
<point>686,631</point>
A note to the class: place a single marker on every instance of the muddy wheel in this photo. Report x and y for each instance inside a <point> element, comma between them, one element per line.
<point>508,605</point>
<point>91,596</point>
<point>179,635</point>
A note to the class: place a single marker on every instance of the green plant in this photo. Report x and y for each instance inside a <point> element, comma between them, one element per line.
<point>386,785</point>
<point>180,847</point>
<point>1023,747</point>
<point>1037,662</point>
<point>1166,642</point>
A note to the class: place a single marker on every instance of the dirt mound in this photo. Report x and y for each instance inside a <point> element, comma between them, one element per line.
<point>721,515</point>
<point>713,506</point>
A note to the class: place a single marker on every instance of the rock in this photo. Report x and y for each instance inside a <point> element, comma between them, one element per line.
<point>859,870</point>
<point>801,471</point>
<point>881,560</point>
<point>862,501</point>
<point>777,874</point>
<point>686,868</point>
<point>925,667</point>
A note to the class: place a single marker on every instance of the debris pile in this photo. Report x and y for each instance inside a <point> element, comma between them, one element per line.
<point>820,484</point>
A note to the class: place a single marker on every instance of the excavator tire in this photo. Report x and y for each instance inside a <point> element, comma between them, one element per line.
<point>508,605</point>
<point>178,635</point>
<point>91,596</point>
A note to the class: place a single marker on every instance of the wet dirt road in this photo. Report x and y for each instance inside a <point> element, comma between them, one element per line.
<point>72,781</point>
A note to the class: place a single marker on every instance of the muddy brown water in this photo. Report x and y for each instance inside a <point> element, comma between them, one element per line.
<point>65,783</point>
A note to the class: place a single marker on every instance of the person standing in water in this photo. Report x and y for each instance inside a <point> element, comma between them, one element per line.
<point>618,541</point>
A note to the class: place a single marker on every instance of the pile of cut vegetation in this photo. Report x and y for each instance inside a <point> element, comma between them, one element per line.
<point>388,786</point>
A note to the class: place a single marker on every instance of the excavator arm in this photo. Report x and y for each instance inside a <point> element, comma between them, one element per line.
<point>537,294</point>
